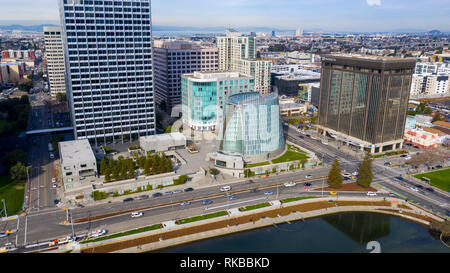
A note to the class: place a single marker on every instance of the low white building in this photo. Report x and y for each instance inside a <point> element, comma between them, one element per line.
<point>77,163</point>
<point>162,143</point>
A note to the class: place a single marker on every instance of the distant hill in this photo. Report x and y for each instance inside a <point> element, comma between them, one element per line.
<point>37,28</point>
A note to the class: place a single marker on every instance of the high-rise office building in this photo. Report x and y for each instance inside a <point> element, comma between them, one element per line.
<point>204,96</point>
<point>238,53</point>
<point>363,100</point>
<point>108,54</point>
<point>172,60</point>
<point>54,53</point>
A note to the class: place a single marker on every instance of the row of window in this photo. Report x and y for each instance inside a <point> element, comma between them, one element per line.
<point>108,3</point>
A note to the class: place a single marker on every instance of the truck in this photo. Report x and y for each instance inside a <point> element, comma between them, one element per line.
<point>50,147</point>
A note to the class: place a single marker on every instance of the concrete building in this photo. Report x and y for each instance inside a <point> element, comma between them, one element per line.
<point>175,58</point>
<point>363,100</point>
<point>421,139</point>
<point>299,32</point>
<point>78,163</point>
<point>12,72</point>
<point>238,53</point>
<point>54,54</point>
<point>163,143</point>
<point>109,63</point>
<point>252,127</point>
<point>204,96</point>
<point>288,107</point>
<point>297,84</point>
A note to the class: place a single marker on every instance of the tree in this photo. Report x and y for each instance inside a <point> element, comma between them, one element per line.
<point>61,97</point>
<point>131,170</point>
<point>18,172</point>
<point>437,117</point>
<point>427,111</point>
<point>365,174</point>
<point>26,86</point>
<point>214,171</point>
<point>420,108</point>
<point>147,167</point>
<point>13,157</point>
<point>335,176</point>
<point>103,166</point>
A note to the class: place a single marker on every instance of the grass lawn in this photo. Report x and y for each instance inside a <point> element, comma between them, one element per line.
<point>126,233</point>
<point>288,200</point>
<point>257,164</point>
<point>439,179</point>
<point>290,156</point>
<point>203,217</point>
<point>258,206</point>
<point>13,193</point>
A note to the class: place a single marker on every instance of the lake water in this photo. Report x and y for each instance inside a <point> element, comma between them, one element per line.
<point>338,233</point>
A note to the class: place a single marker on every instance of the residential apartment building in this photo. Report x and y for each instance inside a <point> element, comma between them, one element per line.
<point>238,53</point>
<point>363,100</point>
<point>172,60</point>
<point>54,54</point>
<point>109,64</point>
<point>204,96</point>
<point>12,72</point>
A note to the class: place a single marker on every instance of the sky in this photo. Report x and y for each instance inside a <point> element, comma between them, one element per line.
<point>333,15</point>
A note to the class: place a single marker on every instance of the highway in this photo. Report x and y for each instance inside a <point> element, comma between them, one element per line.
<point>45,224</point>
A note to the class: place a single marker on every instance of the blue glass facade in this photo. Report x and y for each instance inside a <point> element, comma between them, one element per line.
<point>252,125</point>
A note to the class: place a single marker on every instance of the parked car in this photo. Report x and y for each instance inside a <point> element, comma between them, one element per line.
<point>54,186</point>
<point>289,184</point>
<point>355,173</point>
<point>128,200</point>
<point>185,203</point>
<point>188,189</point>
<point>2,235</point>
<point>53,180</point>
<point>207,202</point>
<point>56,201</point>
<point>371,193</point>
<point>225,188</point>
<point>347,175</point>
<point>158,194</point>
<point>52,155</point>
<point>136,214</point>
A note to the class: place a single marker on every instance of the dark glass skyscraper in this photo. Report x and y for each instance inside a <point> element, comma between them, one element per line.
<point>363,100</point>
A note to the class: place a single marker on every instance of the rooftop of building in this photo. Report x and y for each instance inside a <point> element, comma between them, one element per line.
<point>215,75</point>
<point>252,98</point>
<point>442,123</point>
<point>375,62</point>
<point>435,130</point>
<point>178,45</point>
<point>76,151</point>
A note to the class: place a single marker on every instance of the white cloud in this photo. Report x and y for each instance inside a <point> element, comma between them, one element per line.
<point>373,2</point>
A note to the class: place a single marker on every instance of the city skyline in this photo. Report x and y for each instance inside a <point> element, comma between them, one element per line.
<point>329,15</point>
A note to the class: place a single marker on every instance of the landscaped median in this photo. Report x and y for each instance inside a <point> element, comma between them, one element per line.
<point>253,207</point>
<point>201,218</point>
<point>122,234</point>
<point>226,222</point>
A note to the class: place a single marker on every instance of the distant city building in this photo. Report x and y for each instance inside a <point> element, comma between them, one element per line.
<point>54,53</point>
<point>299,32</point>
<point>109,66</point>
<point>238,53</point>
<point>273,33</point>
<point>204,96</point>
<point>252,127</point>
<point>19,54</point>
<point>12,73</point>
<point>78,163</point>
<point>175,58</point>
<point>364,100</point>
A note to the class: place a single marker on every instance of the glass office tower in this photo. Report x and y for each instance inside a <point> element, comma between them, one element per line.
<point>108,56</point>
<point>252,127</point>
<point>363,100</point>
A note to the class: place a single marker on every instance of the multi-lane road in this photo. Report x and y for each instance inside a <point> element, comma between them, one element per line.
<point>43,224</point>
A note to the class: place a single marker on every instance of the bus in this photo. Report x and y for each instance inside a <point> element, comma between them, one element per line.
<point>50,147</point>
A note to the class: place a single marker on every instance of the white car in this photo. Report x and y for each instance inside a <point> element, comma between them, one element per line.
<point>268,193</point>
<point>355,173</point>
<point>414,189</point>
<point>347,175</point>
<point>324,143</point>
<point>225,188</point>
<point>53,180</point>
<point>289,184</point>
<point>371,193</point>
<point>308,176</point>
<point>54,186</point>
<point>52,155</point>
<point>136,214</point>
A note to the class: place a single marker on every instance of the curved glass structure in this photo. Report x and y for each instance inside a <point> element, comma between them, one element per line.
<point>252,126</point>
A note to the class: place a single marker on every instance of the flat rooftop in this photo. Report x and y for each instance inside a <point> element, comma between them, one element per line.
<point>372,62</point>
<point>213,75</point>
<point>76,151</point>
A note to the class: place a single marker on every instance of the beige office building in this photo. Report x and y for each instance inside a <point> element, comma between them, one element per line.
<point>54,54</point>
<point>238,53</point>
